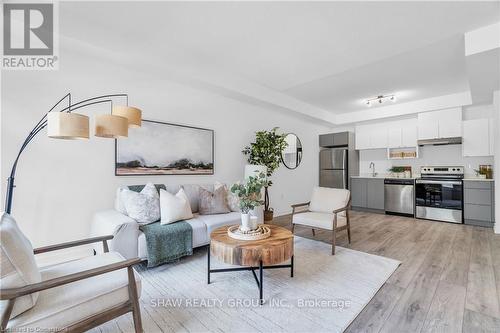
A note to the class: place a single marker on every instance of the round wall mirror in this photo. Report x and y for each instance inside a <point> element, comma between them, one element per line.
<point>292,155</point>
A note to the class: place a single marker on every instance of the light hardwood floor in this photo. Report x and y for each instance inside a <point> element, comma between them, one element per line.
<point>449,279</point>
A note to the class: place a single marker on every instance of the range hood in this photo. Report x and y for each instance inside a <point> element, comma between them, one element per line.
<point>441,142</point>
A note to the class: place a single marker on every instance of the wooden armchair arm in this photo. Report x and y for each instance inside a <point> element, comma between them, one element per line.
<point>66,245</point>
<point>347,207</point>
<point>336,211</point>
<point>8,294</point>
<point>301,204</point>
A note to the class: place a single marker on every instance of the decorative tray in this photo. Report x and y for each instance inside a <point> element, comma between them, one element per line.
<point>261,232</point>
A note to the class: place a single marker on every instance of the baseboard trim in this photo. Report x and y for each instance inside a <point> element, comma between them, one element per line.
<point>368,210</point>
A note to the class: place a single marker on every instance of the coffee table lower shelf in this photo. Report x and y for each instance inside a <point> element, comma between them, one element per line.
<point>259,280</point>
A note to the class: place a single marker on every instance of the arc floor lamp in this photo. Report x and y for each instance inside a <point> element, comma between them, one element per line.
<point>66,124</point>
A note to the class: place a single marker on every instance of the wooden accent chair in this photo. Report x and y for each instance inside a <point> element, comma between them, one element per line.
<point>72,296</point>
<point>328,210</point>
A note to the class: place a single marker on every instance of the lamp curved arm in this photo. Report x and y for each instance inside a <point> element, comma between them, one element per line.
<point>41,124</point>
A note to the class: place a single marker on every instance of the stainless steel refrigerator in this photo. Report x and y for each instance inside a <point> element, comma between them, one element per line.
<point>333,168</point>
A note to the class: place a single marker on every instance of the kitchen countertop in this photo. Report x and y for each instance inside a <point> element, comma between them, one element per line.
<point>382,176</point>
<point>475,179</point>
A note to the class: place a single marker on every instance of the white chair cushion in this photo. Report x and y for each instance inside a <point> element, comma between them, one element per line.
<point>174,207</point>
<point>18,267</point>
<point>65,305</point>
<point>318,220</point>
<point>326,200</point>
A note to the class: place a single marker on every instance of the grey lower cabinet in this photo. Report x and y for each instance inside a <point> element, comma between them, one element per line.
<point>367,193</point>
<point>479,203</point>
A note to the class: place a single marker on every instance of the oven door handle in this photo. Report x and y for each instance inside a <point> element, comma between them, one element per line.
<point>445,182</point>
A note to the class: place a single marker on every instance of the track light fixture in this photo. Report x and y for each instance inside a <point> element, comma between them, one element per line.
<point>380,99</point>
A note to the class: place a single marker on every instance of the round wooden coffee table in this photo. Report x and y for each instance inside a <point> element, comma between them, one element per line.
<point>263,254</point>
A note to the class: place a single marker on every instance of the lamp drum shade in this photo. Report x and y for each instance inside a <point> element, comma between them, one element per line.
<point>65,125</point>
<point>111,126</point>
<point>134,115</point>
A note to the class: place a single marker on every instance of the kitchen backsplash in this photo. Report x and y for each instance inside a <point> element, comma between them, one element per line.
<point>428,155</point>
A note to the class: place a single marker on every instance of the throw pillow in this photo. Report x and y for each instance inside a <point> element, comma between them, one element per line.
<point>119,205</point>
<point>213,203</point>
<point>144,207</point>
<point>174,207</point>
<point>232,199</point>
<point>18,264</point>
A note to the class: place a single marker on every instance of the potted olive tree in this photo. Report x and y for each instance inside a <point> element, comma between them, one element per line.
<point>266,151</point>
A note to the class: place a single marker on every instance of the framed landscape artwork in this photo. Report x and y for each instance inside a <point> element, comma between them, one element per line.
<point>159,148</point>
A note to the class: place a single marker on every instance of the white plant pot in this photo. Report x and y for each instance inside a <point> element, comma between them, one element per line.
<point>248,222</point>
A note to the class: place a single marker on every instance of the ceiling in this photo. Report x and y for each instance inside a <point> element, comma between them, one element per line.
<point>434,70</point>
<point>330,55</point>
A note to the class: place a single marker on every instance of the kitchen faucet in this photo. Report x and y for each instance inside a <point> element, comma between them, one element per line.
<point>372,166</point>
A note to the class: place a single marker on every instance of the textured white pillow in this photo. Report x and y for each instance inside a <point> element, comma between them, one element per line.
<point>119,205</point>
<point>174,207</point>
<point>18,264</point>
<point>144,207</point>
<point>232,199</point>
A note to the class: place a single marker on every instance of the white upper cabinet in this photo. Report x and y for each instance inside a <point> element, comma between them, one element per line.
<point>409,133</point>
<point>428,126</point>
<point>394,134</point>
<point>405,133</point>
<point>379,136</point>
<point>402,134</point>
<point>440,124</point>
<point>371,136</point>
<point>362,138</point>
<point>450,123</point>
<point>394,137</point>
<point>476,137</point>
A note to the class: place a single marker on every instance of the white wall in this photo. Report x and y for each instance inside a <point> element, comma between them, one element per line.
<point>61,184</point>
<point>496,170</point>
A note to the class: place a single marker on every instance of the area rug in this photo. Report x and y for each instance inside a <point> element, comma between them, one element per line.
<point>325,295</point>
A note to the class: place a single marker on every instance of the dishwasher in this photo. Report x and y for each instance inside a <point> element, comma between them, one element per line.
<point>399,197</point>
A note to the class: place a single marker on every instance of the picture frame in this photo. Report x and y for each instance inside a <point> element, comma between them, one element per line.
<point>162,148</point>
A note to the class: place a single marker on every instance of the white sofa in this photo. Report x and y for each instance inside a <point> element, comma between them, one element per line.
<point>130,242</point>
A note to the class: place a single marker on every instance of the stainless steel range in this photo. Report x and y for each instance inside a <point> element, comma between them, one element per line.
<point>439,194</point>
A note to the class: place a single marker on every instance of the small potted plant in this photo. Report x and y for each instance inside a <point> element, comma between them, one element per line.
<point>397,171</point>
<point>481,173</point>
<point>249,194</point>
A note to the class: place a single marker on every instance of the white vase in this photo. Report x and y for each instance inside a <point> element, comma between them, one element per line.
<point>245,222</point>
<point>253,222</point>
<point>248,222</point>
